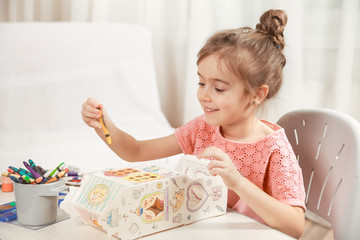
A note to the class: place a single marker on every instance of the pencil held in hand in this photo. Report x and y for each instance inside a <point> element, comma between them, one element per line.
<point>106,132</point>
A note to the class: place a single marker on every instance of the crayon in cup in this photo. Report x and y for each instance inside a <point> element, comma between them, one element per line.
<point>58,176</point>
<point>33,166</point>
<point>57,169</point>
<point>19,171</point>
<point>11,171</point>
<point>41,170</point>
<point>37,176</point>
<point>16,177</point>
<point>24,171</point>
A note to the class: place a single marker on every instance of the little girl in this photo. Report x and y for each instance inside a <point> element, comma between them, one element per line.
<point>238,70</point>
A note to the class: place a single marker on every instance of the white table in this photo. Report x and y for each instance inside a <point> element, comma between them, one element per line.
<point>232,225</point>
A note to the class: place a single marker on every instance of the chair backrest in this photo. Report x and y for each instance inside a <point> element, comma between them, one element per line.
<point>327,145</point>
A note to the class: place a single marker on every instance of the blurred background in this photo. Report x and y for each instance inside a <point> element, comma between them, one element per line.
<point>322,44</point>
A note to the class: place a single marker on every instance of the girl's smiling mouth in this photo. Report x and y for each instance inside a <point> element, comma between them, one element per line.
<point>210,110</point>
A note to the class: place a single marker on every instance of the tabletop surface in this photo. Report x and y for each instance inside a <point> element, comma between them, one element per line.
<point>231,225</point>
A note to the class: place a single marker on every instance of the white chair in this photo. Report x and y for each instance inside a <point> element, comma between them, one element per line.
<point>327,145</point>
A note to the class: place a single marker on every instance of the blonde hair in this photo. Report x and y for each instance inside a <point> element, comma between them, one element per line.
<point>254,56</point>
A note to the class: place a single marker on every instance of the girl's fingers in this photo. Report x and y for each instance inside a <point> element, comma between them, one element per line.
<point>103,111</point>
<point>92,123</point>
<point>218,157</point>
<point>88,110</point>
<point>213,152</point>
<point>89,115</point>
<point>101,107</point>
<point>92,102</point>
<point>216,171</point>
<point>95,124</point>
<point>91,105</point>
<point>91,112</point>
<point>216,164</point>
<point>213,168</point>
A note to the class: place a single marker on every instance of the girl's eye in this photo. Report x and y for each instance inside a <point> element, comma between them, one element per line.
<point>216,89</point>
<point>219,90</point>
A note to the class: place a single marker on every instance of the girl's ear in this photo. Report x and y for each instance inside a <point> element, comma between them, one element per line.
<point>260,94</point>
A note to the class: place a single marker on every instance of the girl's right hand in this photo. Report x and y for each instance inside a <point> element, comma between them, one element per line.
<point>90,113</point>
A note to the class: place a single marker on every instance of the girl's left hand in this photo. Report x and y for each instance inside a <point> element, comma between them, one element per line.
<point>222,165</point>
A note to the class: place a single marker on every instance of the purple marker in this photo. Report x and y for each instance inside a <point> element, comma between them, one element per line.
<point>37,176</point>
<point>72,174</point>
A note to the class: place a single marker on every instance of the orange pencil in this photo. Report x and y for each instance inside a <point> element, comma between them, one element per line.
<point>106,132</point>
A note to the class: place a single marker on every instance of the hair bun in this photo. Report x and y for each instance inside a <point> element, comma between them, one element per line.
<point>272,23</point>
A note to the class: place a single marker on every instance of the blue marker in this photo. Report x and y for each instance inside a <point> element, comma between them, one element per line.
<point>14,179</point>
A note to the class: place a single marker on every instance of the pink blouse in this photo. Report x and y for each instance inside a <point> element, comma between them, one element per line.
<point>269,163</point>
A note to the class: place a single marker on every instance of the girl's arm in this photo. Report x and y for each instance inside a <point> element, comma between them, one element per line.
<point>276,214</point>
<point>132,150</point>
<point>123,144</point>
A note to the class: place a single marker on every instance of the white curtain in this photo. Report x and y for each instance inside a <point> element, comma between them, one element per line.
<point>322,44</point>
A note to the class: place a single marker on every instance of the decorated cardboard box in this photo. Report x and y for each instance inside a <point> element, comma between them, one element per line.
<point>140,200</point>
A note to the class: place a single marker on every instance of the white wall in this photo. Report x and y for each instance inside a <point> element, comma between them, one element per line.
<point>322,44</point>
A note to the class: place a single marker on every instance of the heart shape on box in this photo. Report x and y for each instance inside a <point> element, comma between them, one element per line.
<point>196,196</point>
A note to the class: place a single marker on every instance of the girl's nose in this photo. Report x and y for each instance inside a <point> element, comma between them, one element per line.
<point>204,94</point>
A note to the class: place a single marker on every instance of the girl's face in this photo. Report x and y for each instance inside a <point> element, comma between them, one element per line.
<point>221,94</point>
